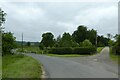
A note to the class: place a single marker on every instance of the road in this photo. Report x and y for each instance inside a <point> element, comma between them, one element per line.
<point>78,67</point>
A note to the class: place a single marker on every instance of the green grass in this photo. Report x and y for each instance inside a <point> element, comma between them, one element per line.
<point>0,67</point>
<point>20,66</point>
<point>66,55</point>
<point>99,49</point>
<point>115,58</point>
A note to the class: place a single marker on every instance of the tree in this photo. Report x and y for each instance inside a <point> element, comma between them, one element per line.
<point>2,17</point>
<point>102,41</point>
<point>66,40</point>
<point>91,35</point>
<point>86,43</point>
<point>80,34</point>
<point>111,43</point>
<point>47,39</point>
<point>28,44</point>
<point>8,43</point>
<point>109,36</point>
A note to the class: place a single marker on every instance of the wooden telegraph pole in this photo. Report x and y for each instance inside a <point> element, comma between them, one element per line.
<point>22,42</point>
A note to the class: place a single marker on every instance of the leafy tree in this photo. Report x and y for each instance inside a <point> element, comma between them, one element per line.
<point>87,43</point>
<point>47,39</point>
<point>80,34</point>
<point>2,17</point>
<point>41,46</point>
<point>8,42</point>
<point>102,41</point>
<point>66,40</point>
<point>111,43</point>
<point>91,35</point>
<point>109,36</point>
<point>57,41</point>
<point>28,44</point>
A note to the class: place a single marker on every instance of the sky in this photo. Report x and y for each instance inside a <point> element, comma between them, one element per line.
<point>35,18</point>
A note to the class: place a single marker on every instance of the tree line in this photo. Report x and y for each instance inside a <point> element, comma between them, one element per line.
<point>81,37</point>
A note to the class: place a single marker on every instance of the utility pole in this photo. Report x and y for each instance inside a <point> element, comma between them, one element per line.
<point>96,42</point>
<point>22,42</point>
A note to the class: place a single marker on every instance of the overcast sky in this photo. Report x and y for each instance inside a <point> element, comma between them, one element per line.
<point>34,18</point>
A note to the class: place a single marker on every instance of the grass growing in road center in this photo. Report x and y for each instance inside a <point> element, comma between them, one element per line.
<point>99,49</point>
<point>20,66</point>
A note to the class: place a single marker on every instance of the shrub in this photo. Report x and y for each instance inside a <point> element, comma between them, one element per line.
<point>84,50</point>
<point>77,50</point>
<point>62,50</point>
<point>86,43</point>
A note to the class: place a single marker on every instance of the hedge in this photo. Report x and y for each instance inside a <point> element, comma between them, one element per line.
<point>77,50</point>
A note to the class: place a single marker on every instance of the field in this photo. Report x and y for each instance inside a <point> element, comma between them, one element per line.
<point>20,66</point>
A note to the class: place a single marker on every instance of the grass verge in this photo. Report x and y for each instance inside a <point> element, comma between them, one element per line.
<point>66,55</point>
<point>115,58</point>
<point>99,49</point>
<point>20,66</point>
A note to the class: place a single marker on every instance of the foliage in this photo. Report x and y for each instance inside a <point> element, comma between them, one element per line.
<point>20,66</point>
<point>66,40</point>
<point>91,36</point>
<point>8,42</point>
<point>111,42</point>
<point>61,50</point>
<point>47,39</point>
<point>28,44</point>
<point>2,17</point>
<point>102,41</point>
<point>116,47</point>
<point>84,50</point>
<point>80,34</point>
<point>86,43</point>
<point>77,50</point>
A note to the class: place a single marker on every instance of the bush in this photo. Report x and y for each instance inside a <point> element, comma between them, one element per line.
<point>62,50</point>
<point>86,43</point>
<point>68,50</point>
<point>84,50</point>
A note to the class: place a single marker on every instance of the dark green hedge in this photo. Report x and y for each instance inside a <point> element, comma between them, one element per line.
<point>116,50</point>
<point>78,50</point>
<point>84,50</point>
<point>62,50</point>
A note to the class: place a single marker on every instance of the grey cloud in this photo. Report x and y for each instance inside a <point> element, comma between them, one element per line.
<point>35,18</point>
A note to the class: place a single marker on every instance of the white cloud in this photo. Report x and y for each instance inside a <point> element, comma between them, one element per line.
<point>35,18</point>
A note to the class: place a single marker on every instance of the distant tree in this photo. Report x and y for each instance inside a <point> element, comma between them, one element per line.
<point>47,39</point>
<point>57,41</point>
<point>8,43</point>
<point>109,36</point>
<point>66,40</point>
<point>91,36</point>
<point>2,17</point>
<point>116,37</point>
<point>80,34</point>
<point>86,43</point>
<point>28,44</point>
<point>111,43</point>
<point>116,47</point>
<point>41,46</point>
<point>102,41</point>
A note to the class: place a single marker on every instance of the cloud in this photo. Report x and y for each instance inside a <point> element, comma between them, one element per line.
<point>33,19</point>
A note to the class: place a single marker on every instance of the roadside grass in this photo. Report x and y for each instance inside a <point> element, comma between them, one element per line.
<point>0,67</point>
<point>20,66</point>
<point>66,55</point>
<point>35,49</point>
<point>99,49</point>
<point>115,58</point>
